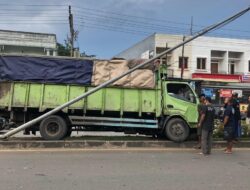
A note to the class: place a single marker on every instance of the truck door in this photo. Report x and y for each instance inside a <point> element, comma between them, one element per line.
<point>181,100</point>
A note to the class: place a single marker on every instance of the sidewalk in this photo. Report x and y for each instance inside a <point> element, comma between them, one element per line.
<point>106,143</point>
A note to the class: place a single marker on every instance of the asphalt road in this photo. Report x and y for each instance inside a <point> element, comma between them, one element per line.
<point>127,169</point>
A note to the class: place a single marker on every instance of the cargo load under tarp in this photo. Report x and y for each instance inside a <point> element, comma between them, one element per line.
<point>151,66</point>
<point>46,70</point>
<point>108,69</point>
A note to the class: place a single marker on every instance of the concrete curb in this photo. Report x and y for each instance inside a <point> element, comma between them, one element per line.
<point>95,144</point>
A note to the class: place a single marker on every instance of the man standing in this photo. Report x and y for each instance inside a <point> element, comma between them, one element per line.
<point>206,124</point>
<point>248,112</point>
<point>201,104</point>
<point>237,116</point>
<point>229,125</point>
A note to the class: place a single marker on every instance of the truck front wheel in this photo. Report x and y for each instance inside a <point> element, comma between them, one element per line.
<point>53,128</point>
<point>177,130</point>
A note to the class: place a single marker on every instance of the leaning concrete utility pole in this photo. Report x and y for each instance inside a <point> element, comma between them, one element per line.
<point>200,33</point>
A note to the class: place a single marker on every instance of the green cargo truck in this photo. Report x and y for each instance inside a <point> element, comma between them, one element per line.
<point>170,108</point>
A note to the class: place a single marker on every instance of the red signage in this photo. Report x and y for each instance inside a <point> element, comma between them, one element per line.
<point>217,77</point>
<point>225,93</point>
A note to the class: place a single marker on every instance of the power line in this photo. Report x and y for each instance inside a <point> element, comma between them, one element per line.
<point>233,30</point>
<point>114,30</point>
<point>101,16</point>
<point>32,23</point>
<point>80,9</point>
<point>108,27</point>
<point>154,28</point>
<point>111,28</point>
<point>28,15</point>
<point>33,5</point>
<point>126,21</point>
<point>33,20</point>
<point>221,42</point>
<point>158,29</point>
<point>147,18</point>
<point>131,16</point>
<point>30,11</point>
<point>131,25</point>
<point>97,15</point>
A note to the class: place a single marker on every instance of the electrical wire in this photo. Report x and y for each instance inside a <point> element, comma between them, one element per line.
<point>124,21</point>
<point>129,25</point>
<point>107,27</point>
<point>84,9</point>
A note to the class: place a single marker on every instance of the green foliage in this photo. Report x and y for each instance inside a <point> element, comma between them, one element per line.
<point>218,131</point>
<point>83,54</point>
<point>63,50</point>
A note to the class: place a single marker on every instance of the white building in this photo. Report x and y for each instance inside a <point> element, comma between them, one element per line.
<point>216,61</point>
<point>27,43</point>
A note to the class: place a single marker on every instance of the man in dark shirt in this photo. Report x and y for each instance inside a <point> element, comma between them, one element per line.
<point>248,111</point>
<point>229,124</point>
<point>207,125</point>
<point>201,104</point>
<point>237,116</point>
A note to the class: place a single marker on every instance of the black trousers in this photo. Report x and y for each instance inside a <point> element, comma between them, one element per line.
<point>206,141</point>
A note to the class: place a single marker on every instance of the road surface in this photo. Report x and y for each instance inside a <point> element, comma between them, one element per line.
<point>124,169</point>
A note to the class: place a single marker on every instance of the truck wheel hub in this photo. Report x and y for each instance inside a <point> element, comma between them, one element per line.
<point>177,129</point>
<point>52,128</point>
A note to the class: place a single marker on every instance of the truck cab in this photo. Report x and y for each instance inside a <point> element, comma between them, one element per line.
<point>180,109</point>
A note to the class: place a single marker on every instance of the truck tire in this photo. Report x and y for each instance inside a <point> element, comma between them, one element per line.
<point>53,128</point>
<point>177,130</point>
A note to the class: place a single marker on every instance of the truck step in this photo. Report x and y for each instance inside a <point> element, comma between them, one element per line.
<point>113,122</point>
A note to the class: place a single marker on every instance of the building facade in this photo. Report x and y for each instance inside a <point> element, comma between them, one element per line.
<point>220,63</point>
<point>27,43</point>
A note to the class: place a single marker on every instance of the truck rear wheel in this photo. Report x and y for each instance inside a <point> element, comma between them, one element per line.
<point>53,128</point>
<point>177,130</point>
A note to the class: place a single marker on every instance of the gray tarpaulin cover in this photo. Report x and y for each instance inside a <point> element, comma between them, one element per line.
<point>45,69</point>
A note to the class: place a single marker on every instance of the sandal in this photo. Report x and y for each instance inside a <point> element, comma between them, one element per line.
<point>227,152</point>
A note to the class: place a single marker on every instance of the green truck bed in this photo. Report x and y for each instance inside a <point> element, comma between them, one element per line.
<point>48,96</point>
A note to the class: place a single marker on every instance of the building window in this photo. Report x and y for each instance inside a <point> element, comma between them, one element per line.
<point>232,68</point>
<point>201,63</point>
<point>185,59</point>
<point>160,49</point>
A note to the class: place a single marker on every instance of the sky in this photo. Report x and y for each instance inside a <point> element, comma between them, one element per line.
<point>107,27</point>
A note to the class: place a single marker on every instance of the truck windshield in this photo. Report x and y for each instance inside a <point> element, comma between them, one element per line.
<point>181,91</point>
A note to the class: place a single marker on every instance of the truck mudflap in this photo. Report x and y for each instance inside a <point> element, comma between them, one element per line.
<point>113,122</point>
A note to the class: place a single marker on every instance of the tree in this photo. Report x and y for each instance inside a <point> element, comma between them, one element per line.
<point>63,50</point>
<point>83,54</point>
